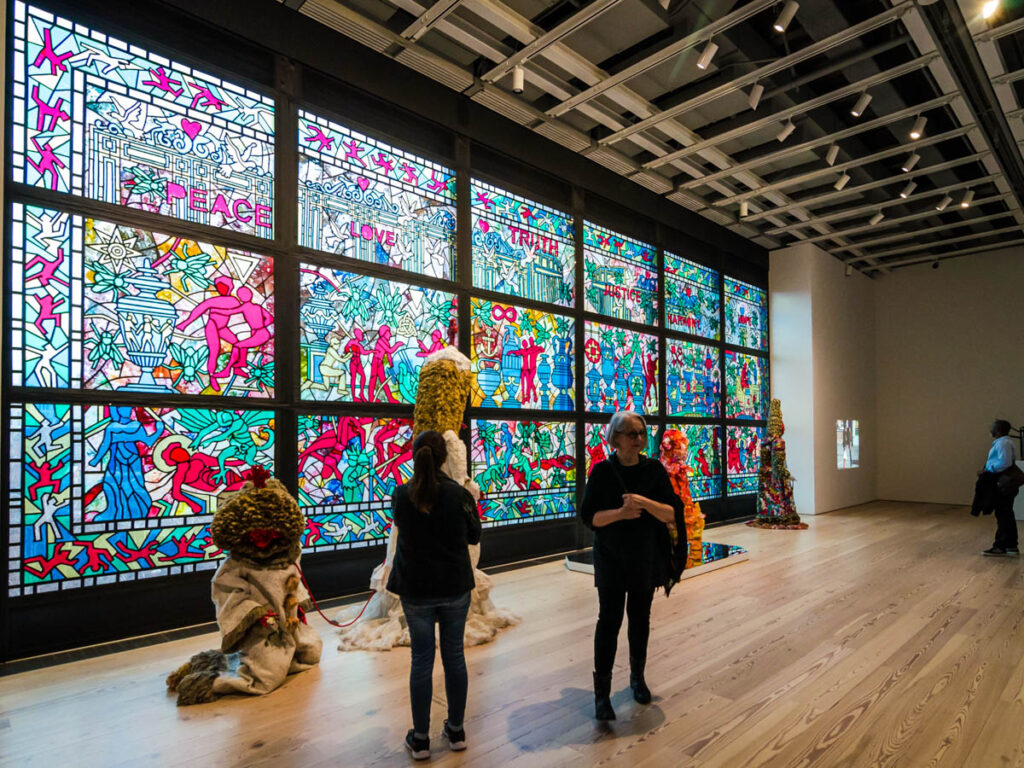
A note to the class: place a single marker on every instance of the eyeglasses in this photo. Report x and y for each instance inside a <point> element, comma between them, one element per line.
<point>634,434</point>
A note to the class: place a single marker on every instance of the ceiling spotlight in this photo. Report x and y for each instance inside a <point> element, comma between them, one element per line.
<point>849,269</point>
<point>944,203</point>
<point>861,105</point>
<point>989,9</point>
<point>744,209</point>
<point>787,129</point>
<point>968,198</point>
<point>910,162</point>
<point>918,130</point>
<point>709,53</point>
<point>842,181</point>
<point>876,218</point>
<point>908,190</point>
<point>786,15</point>
<point>832,154</point>
<point>756,92</point>
<point>518,79</point>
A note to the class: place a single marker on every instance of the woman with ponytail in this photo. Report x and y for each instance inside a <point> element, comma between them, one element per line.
<point>437,520</point>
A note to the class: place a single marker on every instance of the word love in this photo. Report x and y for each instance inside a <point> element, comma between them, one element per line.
<point>372,234</point>
<point>533,240</point>
<point>239,209</point>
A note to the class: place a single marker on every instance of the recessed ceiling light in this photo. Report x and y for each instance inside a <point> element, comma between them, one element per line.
<point>989,9</point>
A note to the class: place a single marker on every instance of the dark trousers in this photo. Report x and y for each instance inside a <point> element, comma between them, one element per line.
<point>449,614</point>
<point>613,599</point>
<point>1006,525</point>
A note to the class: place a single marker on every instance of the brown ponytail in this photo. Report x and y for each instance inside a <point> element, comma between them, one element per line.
<point>429,453</point>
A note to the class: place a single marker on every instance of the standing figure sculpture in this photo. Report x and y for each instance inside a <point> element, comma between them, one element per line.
<point>775,505</point>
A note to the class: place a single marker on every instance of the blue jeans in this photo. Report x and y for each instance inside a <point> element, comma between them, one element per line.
<point>449,613</point>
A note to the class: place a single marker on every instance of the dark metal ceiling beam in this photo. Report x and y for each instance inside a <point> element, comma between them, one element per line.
<point>948,29</point>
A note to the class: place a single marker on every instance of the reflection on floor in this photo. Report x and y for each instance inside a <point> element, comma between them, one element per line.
<point>714,555</point>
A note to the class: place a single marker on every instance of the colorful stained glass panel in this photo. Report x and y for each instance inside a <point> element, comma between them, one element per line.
<point>693,379</point>
<point>349,468</point>
<point>526,470</point>
<point>366,200</point>
<point>620,276</point>
<point>522,358</point>
<point>703,456</point>
<point>746,382</point>
<point>742,459</point>
<point>598,450</point>
<point>95,117</point>
<point>621,370</point>
<point>522,248</point>
<point>103,306</point>
<point>692,298</point>
<point>364,339</point>
<point>101,494</point>
<point>746,314</point>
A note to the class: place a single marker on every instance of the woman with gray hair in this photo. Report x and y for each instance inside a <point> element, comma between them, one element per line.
<point>629,504</point>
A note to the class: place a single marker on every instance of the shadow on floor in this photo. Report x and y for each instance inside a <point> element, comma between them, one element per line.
<point>570,720</point>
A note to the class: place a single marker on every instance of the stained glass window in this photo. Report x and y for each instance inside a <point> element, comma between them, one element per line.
<point>621,369</point>
<point>746,315</point>
<point>522,248</point>
<point>692,299</point>
<point>746,382</point>
<point>742,459</point>
<point>693,379</point>
<point>95,117</point>
<point>104,306</point>
<point>526,470</point>
<point>349,468</point>
<point>522,358</point>
<point>101,494</point>
<point>620,277</point>
<point>365,338</point>
<point>363,199</point>
<point>703,457</point>
<point>598,450</point>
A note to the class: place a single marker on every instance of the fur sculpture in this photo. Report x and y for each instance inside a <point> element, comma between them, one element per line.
<point>444,384</point>
<point>259,598</point>
<point>674,446</point>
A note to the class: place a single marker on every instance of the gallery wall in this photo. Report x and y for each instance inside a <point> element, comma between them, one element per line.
<point>823,364</point>
<point>950,345</point>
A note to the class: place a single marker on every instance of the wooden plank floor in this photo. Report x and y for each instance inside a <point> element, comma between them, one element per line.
<point>878,637</point>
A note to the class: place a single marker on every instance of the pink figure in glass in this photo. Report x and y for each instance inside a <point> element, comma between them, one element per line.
<point>330,445</point>
<point>219,309</point>
<point>529,352</point>
<point>356,349</point>
<point>259,321</point>
<point>650,376</point>
<point>382,352</point>
<point>702,462</point>
<point>198,471</point>
<point>436,344</point>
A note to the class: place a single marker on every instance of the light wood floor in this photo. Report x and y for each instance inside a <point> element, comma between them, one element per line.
<point>877,637</point>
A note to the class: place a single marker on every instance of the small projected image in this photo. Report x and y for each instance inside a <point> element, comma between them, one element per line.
<point>847,443</point>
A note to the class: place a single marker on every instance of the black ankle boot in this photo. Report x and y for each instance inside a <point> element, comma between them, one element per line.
<point>641,693</point>
<point>602,703</point>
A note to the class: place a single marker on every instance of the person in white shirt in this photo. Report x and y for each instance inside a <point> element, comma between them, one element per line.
<point>1001,458</point>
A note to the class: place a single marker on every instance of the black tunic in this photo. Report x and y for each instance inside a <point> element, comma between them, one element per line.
<point>630,553</point>
<point>432,558</point>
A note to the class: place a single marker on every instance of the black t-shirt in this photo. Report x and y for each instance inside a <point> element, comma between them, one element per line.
<point>431,558</point>
<point>629,553</point>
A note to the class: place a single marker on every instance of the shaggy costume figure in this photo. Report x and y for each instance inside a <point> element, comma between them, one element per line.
<point>674,447</point>
<point>440,404</point>
<point>259,598</point>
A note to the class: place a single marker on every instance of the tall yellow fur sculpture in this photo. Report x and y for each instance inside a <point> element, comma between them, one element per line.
<point>444,384</point>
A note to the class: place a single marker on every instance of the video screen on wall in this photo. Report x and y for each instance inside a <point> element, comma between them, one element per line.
<point>847,443</point>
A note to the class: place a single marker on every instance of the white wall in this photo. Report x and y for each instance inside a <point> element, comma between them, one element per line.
<point>950,345</point>
<point>823,369</point>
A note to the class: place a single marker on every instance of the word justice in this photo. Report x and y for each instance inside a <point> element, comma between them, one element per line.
<point>240,209</point>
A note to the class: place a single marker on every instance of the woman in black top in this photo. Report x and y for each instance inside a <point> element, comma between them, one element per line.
<point>631,507</point>
<point>437,521</point>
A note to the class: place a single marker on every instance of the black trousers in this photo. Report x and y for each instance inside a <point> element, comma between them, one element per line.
<point>613,599</point>
<point>1006,525</point>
